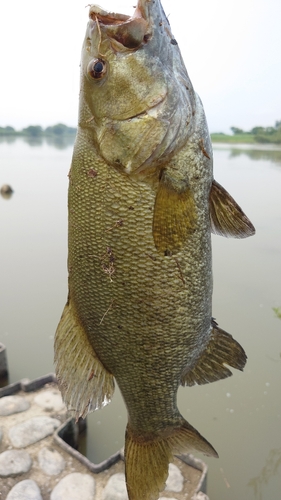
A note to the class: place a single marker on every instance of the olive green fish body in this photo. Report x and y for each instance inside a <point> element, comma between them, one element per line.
<point>142,204</point>
<point>147,315</point>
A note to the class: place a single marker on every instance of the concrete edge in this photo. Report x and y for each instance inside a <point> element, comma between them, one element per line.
<point>71,427</point>
<point>26,385</point>
<point>189,459</point>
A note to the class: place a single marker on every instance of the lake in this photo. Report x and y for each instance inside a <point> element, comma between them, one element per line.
<point>240,416</point>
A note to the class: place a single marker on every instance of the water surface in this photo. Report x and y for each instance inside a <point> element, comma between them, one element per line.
<point>240,416</point>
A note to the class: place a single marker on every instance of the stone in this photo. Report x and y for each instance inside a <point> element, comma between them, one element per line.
<point>74,486</point>
<point>25,490</point>
<point>14,462</point>
<point>115,488</point>
<point>13,404</point>
<point>1,435</point>
<point>50,401</point>
<point>200,496</point>
<point>6,189</point>
<point>175,479</point>
<point>51,461</point>
<point>170,498</point>
<point>32,430</point>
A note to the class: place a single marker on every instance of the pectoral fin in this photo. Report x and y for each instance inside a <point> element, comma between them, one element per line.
<point>174,216</point>
<point>222,349</point>
<point>227,218</point>
<point>83,381</point>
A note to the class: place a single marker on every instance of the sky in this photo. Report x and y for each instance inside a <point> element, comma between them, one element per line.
<point>231,49</point>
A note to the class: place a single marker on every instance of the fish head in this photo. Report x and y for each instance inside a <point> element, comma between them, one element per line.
<point>136,97</point>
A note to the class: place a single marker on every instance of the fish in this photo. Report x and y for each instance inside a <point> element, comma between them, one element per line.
<point>142,204</point>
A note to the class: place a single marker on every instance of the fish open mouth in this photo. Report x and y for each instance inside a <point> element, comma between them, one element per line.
<point>105,17</point>
<point>130,31</point>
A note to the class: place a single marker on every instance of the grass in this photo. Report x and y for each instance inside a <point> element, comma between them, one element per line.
<point>233,139</point>
<point>277,311</point>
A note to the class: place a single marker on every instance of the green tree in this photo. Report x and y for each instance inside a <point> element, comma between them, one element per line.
<point>236,130</point>
<point>33,131</point>
<point>7,130</point>
<point>270,130</point>
<point>257,130</point>
<point>59,130</point>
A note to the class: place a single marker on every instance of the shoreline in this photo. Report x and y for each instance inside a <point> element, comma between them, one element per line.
<point>241,139</point>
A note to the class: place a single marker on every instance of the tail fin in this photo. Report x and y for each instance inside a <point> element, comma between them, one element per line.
<point>147,460</point>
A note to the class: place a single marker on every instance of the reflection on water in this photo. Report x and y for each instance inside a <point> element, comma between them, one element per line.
<point>272,154</point>
<point>59,141</point>
<point>255,154</point>
<point>271,469</point>
<point>240,416</point>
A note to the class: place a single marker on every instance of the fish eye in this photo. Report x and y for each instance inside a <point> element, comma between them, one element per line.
<point>96,68</point>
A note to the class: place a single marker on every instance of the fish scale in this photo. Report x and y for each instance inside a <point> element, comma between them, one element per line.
<point>142,204</point>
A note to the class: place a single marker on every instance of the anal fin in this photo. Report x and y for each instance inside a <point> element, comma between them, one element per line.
<point>222,349</point>
<point>227,218</point>
<point>84,382</point>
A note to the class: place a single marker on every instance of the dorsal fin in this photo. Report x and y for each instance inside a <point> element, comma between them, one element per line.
<point>227,218</point>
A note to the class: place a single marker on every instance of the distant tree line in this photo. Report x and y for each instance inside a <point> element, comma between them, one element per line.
<point>262,134</point>
<point>33,131</point>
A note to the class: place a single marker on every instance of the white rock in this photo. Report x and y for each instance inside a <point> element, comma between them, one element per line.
<point>51,461</point>
<point>25,490</point>
<point>166,498</point>
<point>32,430</point>
<point>74,486</point>
<point>1,435</point>
<point>50,401</point>
<point>200,496</point>
<point>13,462</point>
<point>13,404</point>
<point>175,479</point>
<point>115,488</point>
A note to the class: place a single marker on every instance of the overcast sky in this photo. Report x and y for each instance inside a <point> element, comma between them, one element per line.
<point>231,48</point>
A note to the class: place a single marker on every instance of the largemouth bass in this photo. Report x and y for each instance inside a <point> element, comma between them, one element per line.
<point>142,205</point>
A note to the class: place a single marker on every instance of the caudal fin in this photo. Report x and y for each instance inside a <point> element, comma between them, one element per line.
<point>147,460</point>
